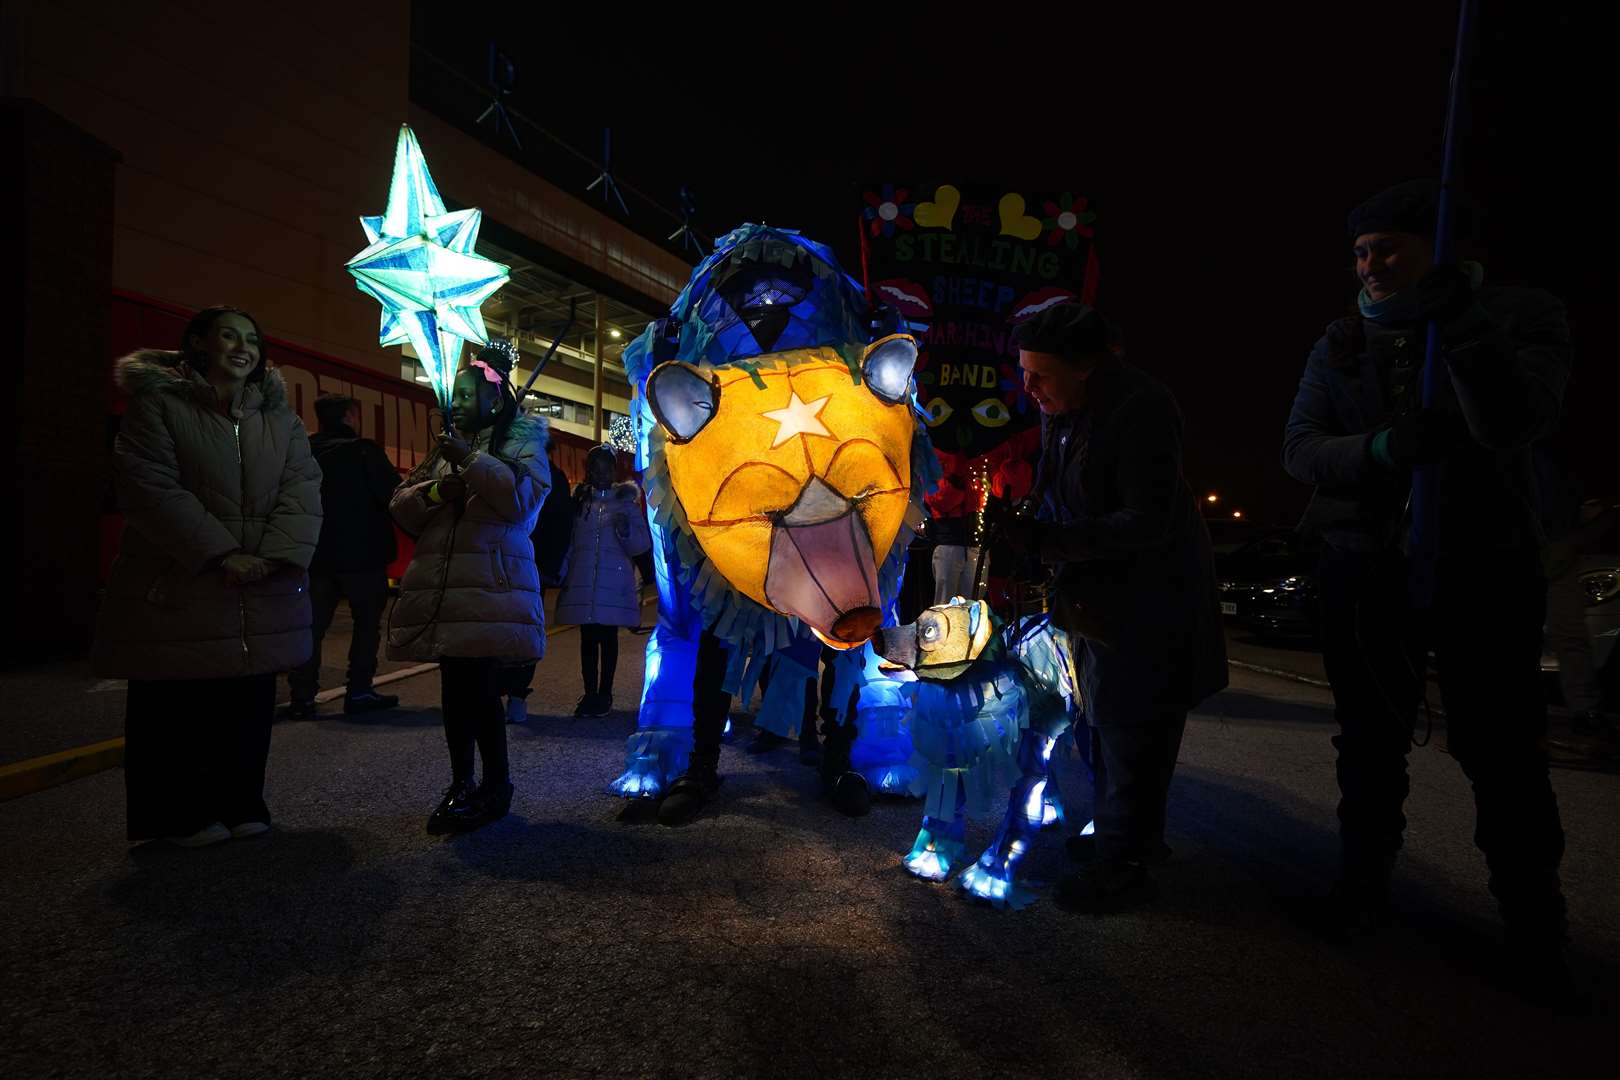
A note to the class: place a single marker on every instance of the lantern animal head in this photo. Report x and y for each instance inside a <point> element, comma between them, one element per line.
<point>781,411</point>
<point>944,641</point>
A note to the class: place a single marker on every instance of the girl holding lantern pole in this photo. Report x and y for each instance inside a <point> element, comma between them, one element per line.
<point>470,599</point>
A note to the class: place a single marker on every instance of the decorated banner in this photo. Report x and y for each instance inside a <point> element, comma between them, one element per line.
<point>964,266</point>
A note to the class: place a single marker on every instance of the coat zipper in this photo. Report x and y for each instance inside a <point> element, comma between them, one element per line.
<point>241,596</point>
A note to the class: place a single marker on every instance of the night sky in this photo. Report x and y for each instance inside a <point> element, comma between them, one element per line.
<point>1220,149</point>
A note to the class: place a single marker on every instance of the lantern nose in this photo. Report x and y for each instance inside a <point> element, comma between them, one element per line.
<point>821,567</point>
<point>856,625</point>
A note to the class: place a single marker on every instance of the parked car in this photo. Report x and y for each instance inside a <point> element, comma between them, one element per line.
<point>1268,585</point>
<point>1600,580</point>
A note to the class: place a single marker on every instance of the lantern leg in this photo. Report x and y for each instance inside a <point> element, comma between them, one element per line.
<point>1030,808</point>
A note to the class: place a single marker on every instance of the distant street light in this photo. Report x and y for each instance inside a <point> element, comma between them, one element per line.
<point>615,333</point>
<point>1237,513</point>
<point>1212,498</point>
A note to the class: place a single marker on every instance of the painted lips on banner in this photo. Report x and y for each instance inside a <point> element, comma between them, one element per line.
<point>964,266</point>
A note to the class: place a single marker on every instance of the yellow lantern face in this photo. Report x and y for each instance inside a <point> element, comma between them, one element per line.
<point>794,478</point>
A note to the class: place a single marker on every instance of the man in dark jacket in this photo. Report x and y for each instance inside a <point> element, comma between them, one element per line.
<point>552,537</point>
<point>1357,431</point>
<point>357,545</point>
<point>1135,585</point>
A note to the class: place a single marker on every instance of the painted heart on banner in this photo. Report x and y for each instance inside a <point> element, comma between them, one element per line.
<point>939,213</point>
<point>1014,222</point>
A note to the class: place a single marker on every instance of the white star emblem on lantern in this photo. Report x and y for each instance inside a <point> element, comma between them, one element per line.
<point>798,418</point>
<point>421,266</point>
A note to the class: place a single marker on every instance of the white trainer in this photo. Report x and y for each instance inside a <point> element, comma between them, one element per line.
<point>249,828</point>
<point>208,834</point>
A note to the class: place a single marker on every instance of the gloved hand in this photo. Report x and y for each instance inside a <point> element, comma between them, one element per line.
<point>1023,535</point>
<point>1444,294</point>
<point>1421,437</point>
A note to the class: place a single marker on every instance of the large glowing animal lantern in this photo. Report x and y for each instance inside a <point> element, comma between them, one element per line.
<point>785,465</point>
<point>984,696</point>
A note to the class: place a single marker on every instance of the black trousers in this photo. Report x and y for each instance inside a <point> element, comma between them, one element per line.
<point>598,656</point>
<point>1131,767</point>
<point>367,593</point>
<point>470,698</point>
<point>194,753</point>
<point>710,703</point>
<point>1485,629</point>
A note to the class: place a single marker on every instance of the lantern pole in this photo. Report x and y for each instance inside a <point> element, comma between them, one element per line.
<point>596,382</point>
<point>1426,478</point>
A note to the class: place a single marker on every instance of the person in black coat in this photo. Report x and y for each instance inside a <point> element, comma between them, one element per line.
<point>552,537</point>
<point>351,562</point>
<point>1135,585</point>
<point>1357,431</point>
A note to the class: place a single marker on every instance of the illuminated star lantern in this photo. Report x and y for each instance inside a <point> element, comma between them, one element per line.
<point>420,265</point>
<point>798,418</point>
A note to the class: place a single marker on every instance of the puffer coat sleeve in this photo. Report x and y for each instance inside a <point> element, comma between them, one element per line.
<point>155,502</point>
<point>294,525</point>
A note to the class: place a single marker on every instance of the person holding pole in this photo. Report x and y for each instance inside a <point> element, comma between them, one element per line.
<point>1359,430</point>
<point>470,598</point>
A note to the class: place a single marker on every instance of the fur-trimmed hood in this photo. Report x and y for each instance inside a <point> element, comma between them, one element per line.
<point>155,371</point>
<point>622,491</point>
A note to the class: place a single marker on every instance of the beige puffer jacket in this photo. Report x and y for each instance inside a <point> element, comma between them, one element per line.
<point>196,485</point>
<point>472,589</point>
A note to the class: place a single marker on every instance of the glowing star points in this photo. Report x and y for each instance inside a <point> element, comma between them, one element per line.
<point>421,266</point>
<point>799,418</point>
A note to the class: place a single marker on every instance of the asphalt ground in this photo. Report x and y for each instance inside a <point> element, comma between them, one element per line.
<point>771,937</point>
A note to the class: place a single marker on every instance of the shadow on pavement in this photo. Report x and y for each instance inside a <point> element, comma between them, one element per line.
<point>254,912</point>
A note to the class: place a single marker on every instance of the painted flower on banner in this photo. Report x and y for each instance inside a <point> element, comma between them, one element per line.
<point>1067,220</point>
<point>888,210</point>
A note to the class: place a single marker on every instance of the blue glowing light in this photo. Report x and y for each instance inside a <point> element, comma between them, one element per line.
<point>419,264</point>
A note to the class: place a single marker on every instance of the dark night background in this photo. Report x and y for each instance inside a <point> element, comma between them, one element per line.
<point>1221,150</point>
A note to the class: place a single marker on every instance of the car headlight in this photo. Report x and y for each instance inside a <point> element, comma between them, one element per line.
<point>1601,586</point>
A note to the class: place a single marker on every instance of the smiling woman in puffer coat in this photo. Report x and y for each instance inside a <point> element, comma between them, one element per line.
<point>209,598</point>
<point>471,596</point>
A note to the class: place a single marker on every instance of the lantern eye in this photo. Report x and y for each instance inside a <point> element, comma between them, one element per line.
<point>888,365</point>
<point>682,399</point>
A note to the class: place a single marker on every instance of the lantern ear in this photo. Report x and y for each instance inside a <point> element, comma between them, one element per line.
<point>682,400</point>
<point>888,365</point>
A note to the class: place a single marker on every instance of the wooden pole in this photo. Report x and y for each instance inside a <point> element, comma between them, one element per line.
<point>596,383</point>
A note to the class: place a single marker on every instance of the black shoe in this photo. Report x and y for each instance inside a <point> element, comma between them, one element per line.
<point>368,701</point>
<point>688,794</point>
<point>456,797</point>
<point>1083,848</point>
<point>850,794</point>
<point>1106,887</point>
<point>601,704</point>
<point>586,706</point>
<point>766,741</point>
<point>843,785</point>
<point>489,803</point>
<point>297,710</point>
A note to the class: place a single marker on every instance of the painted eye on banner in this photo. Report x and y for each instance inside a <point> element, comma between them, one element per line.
<point>991,412</point>
<point>936,412</point>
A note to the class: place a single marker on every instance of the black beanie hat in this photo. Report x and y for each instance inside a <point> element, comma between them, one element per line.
<point>603,451</point>
<point>1412,207</point>
<point>1070,330</point>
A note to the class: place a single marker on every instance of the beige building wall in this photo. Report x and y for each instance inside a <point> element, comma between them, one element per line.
<point>255,134</point>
